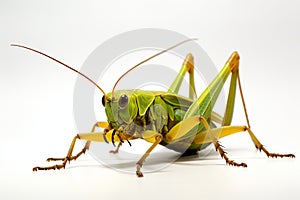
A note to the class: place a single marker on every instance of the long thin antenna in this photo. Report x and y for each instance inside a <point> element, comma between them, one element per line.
<point>155,55</point>
<point>85,76</point>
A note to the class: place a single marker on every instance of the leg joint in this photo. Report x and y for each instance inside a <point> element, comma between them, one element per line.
<point>77,136</point>
<point>233,61</point>
<point>189,63</point>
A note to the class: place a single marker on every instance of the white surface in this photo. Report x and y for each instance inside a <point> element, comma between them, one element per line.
<point>36,97</point>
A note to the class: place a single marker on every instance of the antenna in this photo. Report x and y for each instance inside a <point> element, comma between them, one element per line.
<point>155,55</point>
<point>71,68</point>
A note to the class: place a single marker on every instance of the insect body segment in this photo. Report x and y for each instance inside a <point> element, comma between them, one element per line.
<point>144,110</point>
<point>183,124</point>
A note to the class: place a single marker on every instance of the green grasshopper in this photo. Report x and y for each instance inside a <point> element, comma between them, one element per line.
<point>183,124</point>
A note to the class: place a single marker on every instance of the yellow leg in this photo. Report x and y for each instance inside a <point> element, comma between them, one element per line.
<point>180,129</point>
<point>89,137</point>
<point>88,143</point>
<point>86,146</point>
<point>218,146</point>
<point>214,134</point>
<point>65,160</point>
<point>157,138</point>
<point>260,147</point>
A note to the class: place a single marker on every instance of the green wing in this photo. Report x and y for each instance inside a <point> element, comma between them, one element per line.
<point>176,100</point>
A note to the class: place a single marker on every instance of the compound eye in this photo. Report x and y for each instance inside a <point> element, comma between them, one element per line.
<point>103,101</point>
<point>123,101</point>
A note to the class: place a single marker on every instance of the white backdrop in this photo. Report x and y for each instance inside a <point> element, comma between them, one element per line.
<point>36,97</point>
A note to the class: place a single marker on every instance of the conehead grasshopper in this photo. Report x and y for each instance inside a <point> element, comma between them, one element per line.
<point>183,124</point>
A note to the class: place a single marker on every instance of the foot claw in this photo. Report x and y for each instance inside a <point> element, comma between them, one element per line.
<point>275,155</point>
<point>113,151</point>
<point>54,167</point>
<point>232,163</point>
<point>291,156</point>
<point>243,165</point>
<point>55,159</point>
<point>139,174</point>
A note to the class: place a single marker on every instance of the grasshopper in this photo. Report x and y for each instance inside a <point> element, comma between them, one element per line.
<point>183,124</point>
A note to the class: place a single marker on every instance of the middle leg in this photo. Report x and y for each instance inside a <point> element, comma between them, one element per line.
<point>153,137</point>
